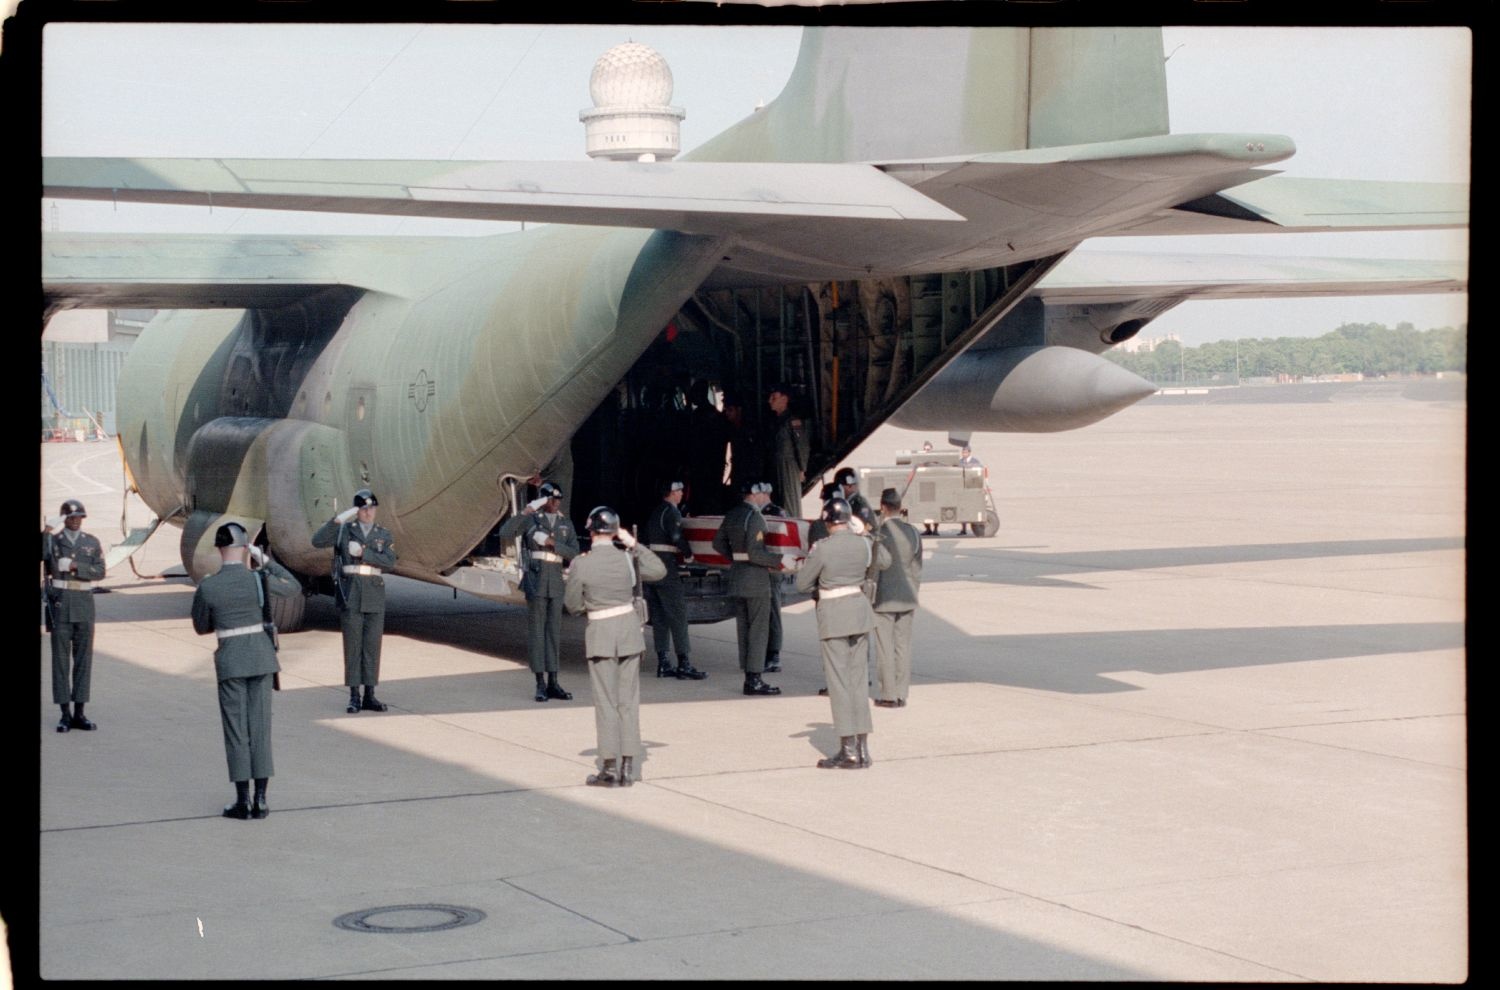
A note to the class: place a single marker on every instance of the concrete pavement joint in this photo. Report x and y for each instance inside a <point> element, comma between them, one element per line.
<point>563,907</point>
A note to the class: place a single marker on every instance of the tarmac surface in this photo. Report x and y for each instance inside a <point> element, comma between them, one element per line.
<point>1196,712</point>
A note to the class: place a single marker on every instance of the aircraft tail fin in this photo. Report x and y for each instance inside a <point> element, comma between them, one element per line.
<point>882,94</point>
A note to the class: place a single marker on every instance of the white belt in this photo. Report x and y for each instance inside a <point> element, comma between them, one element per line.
<point>364,570</point>
<point>611,612</point>
<point>547,556</point>
<point>238,631</point>
<point>741,556</point>
<point>826,593</point>
<point>663,547</point>
<point>73,585</point>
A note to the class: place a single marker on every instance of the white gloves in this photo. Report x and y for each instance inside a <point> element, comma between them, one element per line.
<point>347,514</point>
<point>536,503</point>
<point>626,537</point>
<point>258,555</point>
<point>54,522</point>
<point>356,549</point>
<point>791,564</point>
<point>64,564</point>
<point>539,537</point>
<point>857,525</point>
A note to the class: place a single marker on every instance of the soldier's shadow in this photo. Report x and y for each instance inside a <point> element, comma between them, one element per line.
<point>820,736</point>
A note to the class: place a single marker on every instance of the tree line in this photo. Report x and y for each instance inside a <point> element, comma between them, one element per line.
<point>1372,349</point>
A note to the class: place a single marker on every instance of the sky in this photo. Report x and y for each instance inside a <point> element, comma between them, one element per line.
<point>1365,103</point>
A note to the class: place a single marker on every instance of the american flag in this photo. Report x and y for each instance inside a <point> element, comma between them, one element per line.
<point>786,535</point>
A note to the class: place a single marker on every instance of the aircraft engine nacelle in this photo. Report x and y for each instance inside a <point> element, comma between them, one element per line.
<point>1022,390</point>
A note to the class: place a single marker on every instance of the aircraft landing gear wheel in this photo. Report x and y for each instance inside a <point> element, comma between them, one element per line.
<point>990,525</point>
<point>978,528</point>
<point>287,612</point>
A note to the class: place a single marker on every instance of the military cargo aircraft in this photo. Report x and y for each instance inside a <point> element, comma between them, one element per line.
<point>890,237</point>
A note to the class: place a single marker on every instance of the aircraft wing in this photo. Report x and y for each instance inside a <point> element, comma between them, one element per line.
<point>1292,204</point>
<point>1092,276</point>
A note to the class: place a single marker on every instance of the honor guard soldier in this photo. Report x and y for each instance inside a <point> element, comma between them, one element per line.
<point>742,538</point>
<point>848,481</point>
<point>230,603</point>
<point>838,567</point>
<point>666,598</point>
<point>548,542</point>
<point>74,561</point>
<point>362,552</point>
<point>895,602</point>
<point>602,583</point>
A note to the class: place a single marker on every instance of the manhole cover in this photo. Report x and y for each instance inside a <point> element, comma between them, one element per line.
<point>409,918</point>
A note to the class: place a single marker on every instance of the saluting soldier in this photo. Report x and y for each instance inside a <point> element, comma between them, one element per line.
<point>548,542</point>
<point>837,567</point>
<point>848,481</point>
<point>742,538</point>
<point>602,583</point>
<point>74,561</point>
<point>362,552</point>
<point>229,604</point>
<point>666,598</point>
<point>895,602</point>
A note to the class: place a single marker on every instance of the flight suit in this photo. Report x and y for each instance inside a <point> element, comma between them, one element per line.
<point>666,598</point>
<point>837,567</point>
<point>742,538</point>
<point>72,605</point>
<point>542,581</point>
<point>789,453</point>
<point>895,603</point>
<point>361,593</point>
<point>602,583</point>
<point>228,604</point>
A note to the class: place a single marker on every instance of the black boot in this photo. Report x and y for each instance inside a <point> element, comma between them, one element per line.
<point>241,807</point>
<point>862,749</point>
<point>754,685</point>
<point>605,777</point>
<point>773,663</point>
<point>372,703</point>
<point>663,668</point>
<point>66,722</point>
<point>844,759</point>
<point>686,671</point>
<point>541,688</point>
<point>627,771</point>
<point>78,721</point>
<point>353,708</point>
<point>260,809</point>
<point>555,690</point>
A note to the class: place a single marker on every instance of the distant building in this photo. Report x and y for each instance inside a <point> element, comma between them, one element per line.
<point>1145,345</point>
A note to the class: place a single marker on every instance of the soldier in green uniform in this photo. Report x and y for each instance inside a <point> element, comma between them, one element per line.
<point>837,567</point>
<point>895,602</point>
<point>602,583</point>
<point>229,604</point>
<point>362,552</point>
<point>548,542</point>
<point>753,566</point>
<point>74,560</point>
<point>666,599</point>
<point>773,632</point>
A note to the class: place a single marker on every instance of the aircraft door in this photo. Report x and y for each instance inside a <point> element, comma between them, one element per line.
<point>359,428</point>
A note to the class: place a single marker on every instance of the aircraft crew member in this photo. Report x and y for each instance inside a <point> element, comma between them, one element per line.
<point>745,455</point>
<point>788,450</point>
<point>895,602</point>
<point>967,459</point>
<point>229,604</point>
<point>848,481</point>
<point>742,538</point>
<point>838,566</point>
<point>548,542</point>
<point>74,561</point>
<point>602,583</point>
<point>709,436</point>
<point>668,601</point>
<point>361,552</point>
